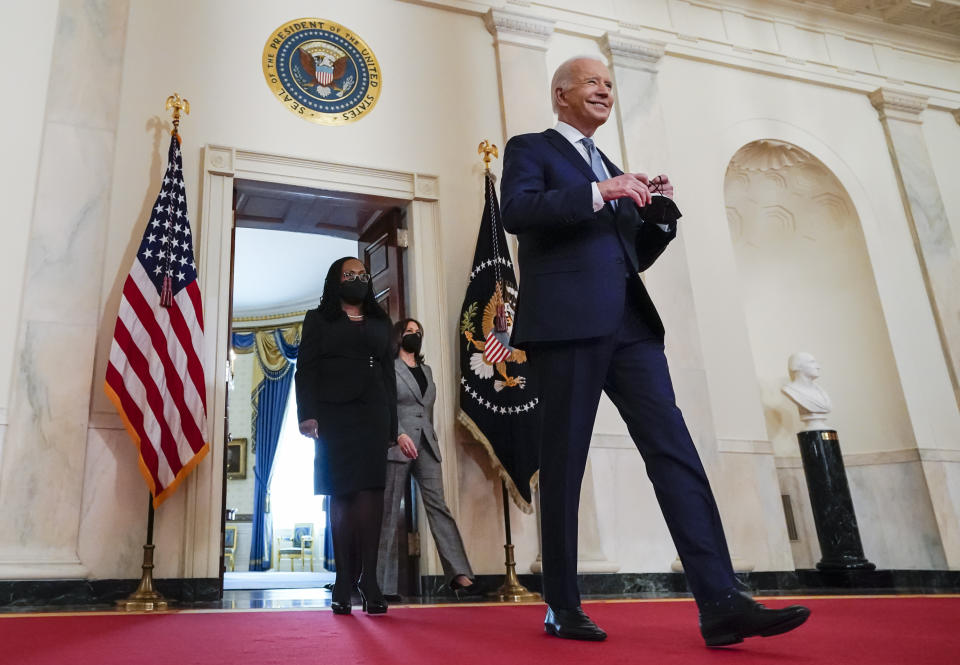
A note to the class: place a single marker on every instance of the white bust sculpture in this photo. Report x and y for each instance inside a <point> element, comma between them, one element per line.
<point>811,399</point>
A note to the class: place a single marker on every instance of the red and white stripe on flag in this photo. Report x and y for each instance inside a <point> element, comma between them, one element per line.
<point>155,376</point>
<point>493,351</point>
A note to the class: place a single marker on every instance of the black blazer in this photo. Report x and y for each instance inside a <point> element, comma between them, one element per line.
<point>336,365</point>
<point>576,264</point>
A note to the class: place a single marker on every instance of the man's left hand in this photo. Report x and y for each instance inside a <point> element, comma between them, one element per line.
<point>662,185</point>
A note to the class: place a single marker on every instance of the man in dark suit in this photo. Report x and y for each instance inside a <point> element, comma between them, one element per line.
<point>586,230</point>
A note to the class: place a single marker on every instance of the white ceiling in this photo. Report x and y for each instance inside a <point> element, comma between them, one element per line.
<point>280,271</point>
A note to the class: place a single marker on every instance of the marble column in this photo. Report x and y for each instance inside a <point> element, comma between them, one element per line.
<point>42,470</point>
<point>751,511</point>
<point>936,246</point>
<point>521,42</point>
<point>833,514</point>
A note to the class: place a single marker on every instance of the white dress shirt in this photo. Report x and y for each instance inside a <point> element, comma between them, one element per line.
<point>574,135</point>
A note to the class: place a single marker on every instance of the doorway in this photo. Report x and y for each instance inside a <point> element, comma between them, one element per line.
<point>284,239</point>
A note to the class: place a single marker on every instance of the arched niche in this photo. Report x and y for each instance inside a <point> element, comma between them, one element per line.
<point>806,283</point>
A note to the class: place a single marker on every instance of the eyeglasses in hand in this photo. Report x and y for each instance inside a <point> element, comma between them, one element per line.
<point>352,276</point>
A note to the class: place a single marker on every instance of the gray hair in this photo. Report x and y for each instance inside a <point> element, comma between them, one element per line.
<point>563,77</point>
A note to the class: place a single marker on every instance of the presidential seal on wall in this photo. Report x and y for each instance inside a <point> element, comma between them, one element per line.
<point>322,71</point>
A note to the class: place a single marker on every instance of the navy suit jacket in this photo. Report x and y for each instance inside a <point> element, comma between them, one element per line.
<point>576,264</point>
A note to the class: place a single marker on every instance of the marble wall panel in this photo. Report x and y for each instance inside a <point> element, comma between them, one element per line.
<point>112,527</point>
<point>805,548</point>
<point>43,470</point>
<point>747,492</point>
<point>896,518</point>
<point>892,503</point>
<point>943,481</point>
<point>43,461</point>
<point>631,526</point>
<point>62,278</point>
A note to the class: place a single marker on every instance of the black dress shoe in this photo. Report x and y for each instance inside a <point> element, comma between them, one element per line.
<point>738,616</point>
<point>572,625</point>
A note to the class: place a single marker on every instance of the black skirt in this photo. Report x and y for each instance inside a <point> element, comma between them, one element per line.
<point>351,448</point>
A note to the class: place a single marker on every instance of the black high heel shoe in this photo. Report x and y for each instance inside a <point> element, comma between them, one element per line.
<point>340,608</point>
<point>474,590</point>
<point>377,606</point>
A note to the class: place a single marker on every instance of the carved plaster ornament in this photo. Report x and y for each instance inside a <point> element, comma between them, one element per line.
<point>769,155</point>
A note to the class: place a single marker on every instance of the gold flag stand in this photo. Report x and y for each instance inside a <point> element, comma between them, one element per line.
<point>511,591</point>
<point>146,598</point>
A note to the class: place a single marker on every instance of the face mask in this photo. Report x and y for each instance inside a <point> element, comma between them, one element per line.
<point>411,342</point>
<point>354,292</point>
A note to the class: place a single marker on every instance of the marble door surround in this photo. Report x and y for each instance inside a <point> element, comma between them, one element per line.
<point>419,193</point>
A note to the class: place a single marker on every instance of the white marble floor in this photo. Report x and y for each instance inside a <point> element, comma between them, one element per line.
<point>275,580</point>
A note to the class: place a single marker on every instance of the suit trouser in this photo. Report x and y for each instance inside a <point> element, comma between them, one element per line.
<point>630,366</point>
<point>426,469</point>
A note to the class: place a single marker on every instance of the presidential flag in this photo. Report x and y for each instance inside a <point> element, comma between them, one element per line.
<point>155,376</point>
<point>497,402</point>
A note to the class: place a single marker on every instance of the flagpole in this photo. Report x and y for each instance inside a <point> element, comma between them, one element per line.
<point>146,598</point>
<point>511,591</point>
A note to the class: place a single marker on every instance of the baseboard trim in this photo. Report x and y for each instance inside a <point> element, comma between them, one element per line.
<point>792,581</point>
<point>36,593</point>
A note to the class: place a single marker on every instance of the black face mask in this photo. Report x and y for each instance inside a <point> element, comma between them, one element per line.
<point>353,293</point>
<point>411,342</point>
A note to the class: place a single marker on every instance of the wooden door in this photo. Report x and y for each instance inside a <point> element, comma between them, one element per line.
<point>380,251</point>
<point>380,247</point>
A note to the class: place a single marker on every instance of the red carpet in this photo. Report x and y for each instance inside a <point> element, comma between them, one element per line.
<point>906,631</point>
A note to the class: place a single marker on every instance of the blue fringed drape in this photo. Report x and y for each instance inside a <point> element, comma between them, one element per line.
<point>275,352</point>
<point>328,560</point>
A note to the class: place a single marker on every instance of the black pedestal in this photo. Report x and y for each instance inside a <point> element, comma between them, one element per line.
<point>833,514</point>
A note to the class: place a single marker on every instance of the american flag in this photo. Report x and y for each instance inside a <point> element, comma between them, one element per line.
<point>155,376</point>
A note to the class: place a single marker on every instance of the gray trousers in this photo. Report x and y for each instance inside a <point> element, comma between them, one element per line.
<point>426,470</point>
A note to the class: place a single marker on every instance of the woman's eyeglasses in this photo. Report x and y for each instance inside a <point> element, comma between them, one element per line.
<point>352,276</point>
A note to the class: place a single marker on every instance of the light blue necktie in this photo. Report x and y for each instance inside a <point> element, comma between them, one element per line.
<point>596,163</point>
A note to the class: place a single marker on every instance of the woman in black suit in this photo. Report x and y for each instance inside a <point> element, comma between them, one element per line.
<point>347,402</point>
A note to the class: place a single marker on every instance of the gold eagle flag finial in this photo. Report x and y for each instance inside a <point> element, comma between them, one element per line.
<point>487,149</point>
<point>178,104</point>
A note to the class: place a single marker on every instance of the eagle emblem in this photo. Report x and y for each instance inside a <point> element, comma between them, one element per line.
<point>324,65</point>
<point>321,71</point>
<point>494,350</point>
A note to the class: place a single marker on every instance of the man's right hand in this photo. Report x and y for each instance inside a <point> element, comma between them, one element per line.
<point>309,427</point>
<point>633,185</point>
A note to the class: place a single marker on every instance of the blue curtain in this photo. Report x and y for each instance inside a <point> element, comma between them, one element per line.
<point>328,561</point>
<point>275,352</point>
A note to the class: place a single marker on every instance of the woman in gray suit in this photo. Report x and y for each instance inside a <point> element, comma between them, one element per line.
<point>418,452</point>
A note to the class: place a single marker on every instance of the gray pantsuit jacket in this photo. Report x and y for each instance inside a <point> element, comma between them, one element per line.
<point>415,417</point>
